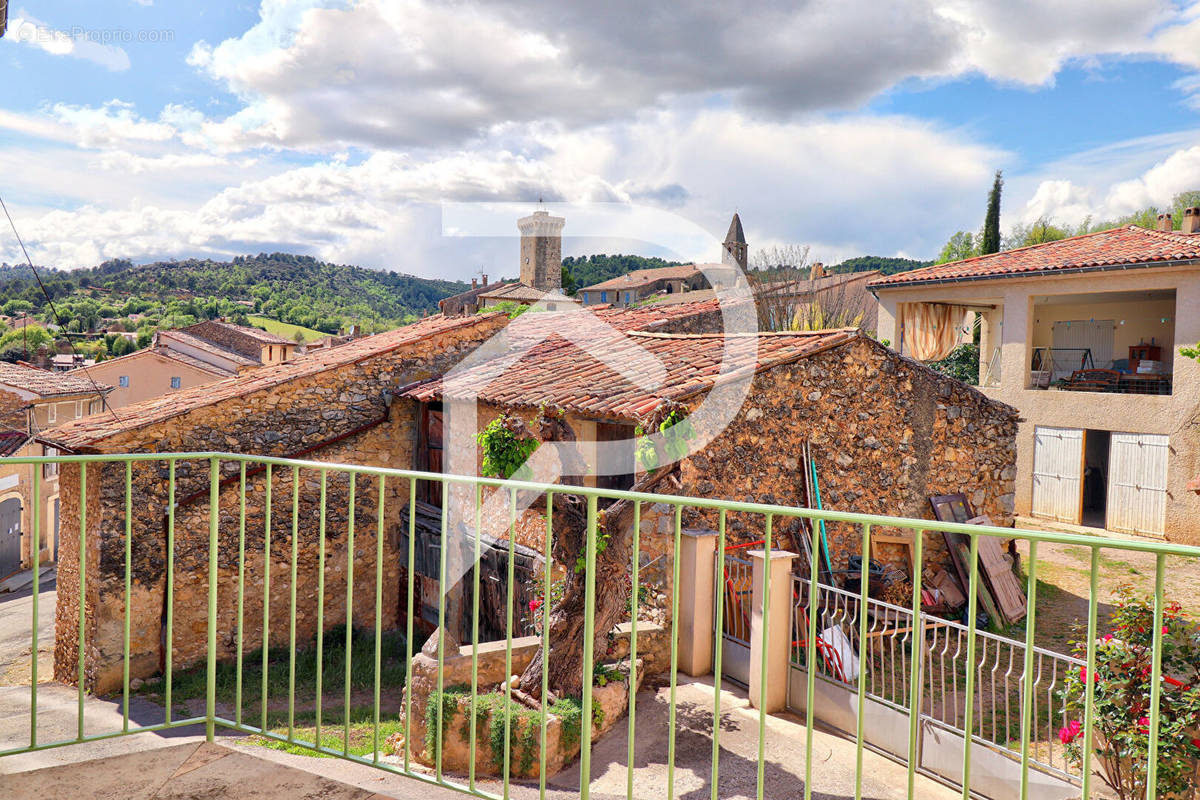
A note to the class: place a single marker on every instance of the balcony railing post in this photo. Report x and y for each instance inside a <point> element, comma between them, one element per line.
<point>214,496</point>
<point>770,694</point>
<point>697,601</point>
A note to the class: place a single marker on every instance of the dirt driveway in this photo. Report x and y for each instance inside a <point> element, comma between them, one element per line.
<point>16,616</point>
<point>1063,586</point>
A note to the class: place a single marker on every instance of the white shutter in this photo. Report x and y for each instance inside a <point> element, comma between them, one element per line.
<point>1095,335</point>
<point>1137,483</point>
<point>1057,468</point>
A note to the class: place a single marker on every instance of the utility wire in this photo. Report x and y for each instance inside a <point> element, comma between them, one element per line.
<point>54,311</point>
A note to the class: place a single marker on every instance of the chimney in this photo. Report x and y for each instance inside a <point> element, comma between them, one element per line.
<point>474,283</point>
<point>1191,220</point>
<point>816,271</point>
<point>1164,222</point>
<point>485,283</point>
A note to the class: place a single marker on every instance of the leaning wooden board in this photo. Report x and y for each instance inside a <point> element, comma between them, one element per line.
<point>962,551</point>
<point>1001,580</point>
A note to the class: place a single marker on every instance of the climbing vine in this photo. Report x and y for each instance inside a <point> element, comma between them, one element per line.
<point>504,449</point>
<point>676,431</point>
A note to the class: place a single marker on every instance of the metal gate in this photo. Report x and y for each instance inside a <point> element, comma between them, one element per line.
<point>1057,473</point>
<point>1137,483</point>
<point>10,536</point>
<point>736,579</point>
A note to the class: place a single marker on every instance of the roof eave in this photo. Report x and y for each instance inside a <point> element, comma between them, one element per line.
<point>1034,273</point>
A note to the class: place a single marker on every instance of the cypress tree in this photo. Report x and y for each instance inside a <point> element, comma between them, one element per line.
<point>990,238</point>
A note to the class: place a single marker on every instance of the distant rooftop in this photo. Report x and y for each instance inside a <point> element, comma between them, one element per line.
<point>44,383</point>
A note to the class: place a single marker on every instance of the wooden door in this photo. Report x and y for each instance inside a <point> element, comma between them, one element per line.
<point>10,536</point>
<point>1058,473</point>
<point>1137,483</point>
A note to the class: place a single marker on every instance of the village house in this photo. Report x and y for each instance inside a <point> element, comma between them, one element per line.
<point>186,357</point>
<point>1082,336</point>
<point>888,433</point>
<point>32,400</point>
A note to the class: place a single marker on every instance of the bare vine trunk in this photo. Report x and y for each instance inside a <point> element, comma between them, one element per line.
<point>567,618</point>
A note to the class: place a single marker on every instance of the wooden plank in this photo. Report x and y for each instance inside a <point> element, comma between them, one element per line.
<point>1003,583</point>
<point>985,596</point>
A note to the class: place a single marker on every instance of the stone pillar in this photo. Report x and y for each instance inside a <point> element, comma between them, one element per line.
<point>773,694</point>
<point>697,565</point>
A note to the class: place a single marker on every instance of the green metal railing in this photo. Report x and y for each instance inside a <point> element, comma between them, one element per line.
<point>219,475</point>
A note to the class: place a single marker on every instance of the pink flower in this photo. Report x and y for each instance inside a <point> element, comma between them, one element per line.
<point>534,605</point>
<point>1107,637</point>
<point>1143,724</point>
<point>1070,732</point>
<point>1083,675</point>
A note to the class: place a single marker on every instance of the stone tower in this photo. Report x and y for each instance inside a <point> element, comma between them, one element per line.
<point>541,250</point>
<point>734,250</point>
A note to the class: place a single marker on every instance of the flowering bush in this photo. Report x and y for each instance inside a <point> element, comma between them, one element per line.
<point>1121,736</point>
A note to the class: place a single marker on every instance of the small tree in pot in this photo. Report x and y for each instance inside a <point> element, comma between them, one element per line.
<point>1122,680</point>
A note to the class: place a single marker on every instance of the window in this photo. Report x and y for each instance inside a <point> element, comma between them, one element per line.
<point>176,383</point>
<point>270,352</point>
<point>628,296</point>
<point>604,297</point>
<point>585,298</point>
<point>123,381</point>
<point>49,470</point>
<point>52,412</point>
<point>95,407</point>
<point>78,409</point>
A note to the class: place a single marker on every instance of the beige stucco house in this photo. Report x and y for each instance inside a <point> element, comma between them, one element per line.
<point>187,357</point>
<point>1082,336</point>
<point>31,400</point>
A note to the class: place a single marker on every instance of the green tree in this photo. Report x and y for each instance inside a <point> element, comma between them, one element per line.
<point>1039,231</point>
<point>961,245</point>
<point>989,238</point>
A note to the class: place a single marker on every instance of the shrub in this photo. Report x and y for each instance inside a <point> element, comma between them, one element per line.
<point>1122,681</point>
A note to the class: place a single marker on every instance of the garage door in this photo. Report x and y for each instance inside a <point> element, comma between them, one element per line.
<point>1057,470</point>
<point>10,536</point>
<point>1137,483</point>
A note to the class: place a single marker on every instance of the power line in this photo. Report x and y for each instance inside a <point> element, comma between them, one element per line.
<point>54,311</point>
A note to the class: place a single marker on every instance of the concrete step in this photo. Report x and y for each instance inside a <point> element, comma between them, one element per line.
<point>24,579</point>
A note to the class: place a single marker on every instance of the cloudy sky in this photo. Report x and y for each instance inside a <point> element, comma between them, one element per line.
<point>150,129</point>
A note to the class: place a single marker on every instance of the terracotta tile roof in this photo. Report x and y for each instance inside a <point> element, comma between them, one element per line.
<point>11,442</point>
<point>165,352</point>
<point>239,338</point>
<point>642,277</point>
<point>1128,245</point>
<point>557,371</point>
<point>454,303</point>
<point>206,346</point>
<point>520,292</point>
<point>93,429</point>
<point>48,384</point>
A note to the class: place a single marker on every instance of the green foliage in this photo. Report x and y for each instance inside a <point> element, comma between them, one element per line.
<point>676,431</point>
<point>1122,687</point>
<point>961,245</point>
<point>24,338</point>
<point>962,364</point>
<point>489,714</point>
<point>1039,231</point>
<point>510,307</point>
<point>989,237</point>
<point>503,451</point>
<point>298,290</point>
<point>589,270</point>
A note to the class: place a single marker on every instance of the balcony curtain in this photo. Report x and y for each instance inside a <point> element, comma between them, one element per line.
<point>931,330</point>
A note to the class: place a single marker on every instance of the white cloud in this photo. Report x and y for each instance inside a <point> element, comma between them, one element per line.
<point>421,73</point>
<point>852,183</point>
<point>34,33</point>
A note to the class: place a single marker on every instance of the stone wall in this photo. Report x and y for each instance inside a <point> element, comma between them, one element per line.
<point>12,414</point>
<point>340,415</point>
<point>885,432</point>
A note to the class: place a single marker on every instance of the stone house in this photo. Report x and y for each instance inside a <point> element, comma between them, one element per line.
<point>888,432</point>
<point>333,405</point>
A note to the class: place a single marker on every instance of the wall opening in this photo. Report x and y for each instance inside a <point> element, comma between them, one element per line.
<point>1095,478</point>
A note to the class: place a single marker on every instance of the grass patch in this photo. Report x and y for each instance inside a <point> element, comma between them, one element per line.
<point>190,684</point>
<point>285,329</point>
<point>333,732</point>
